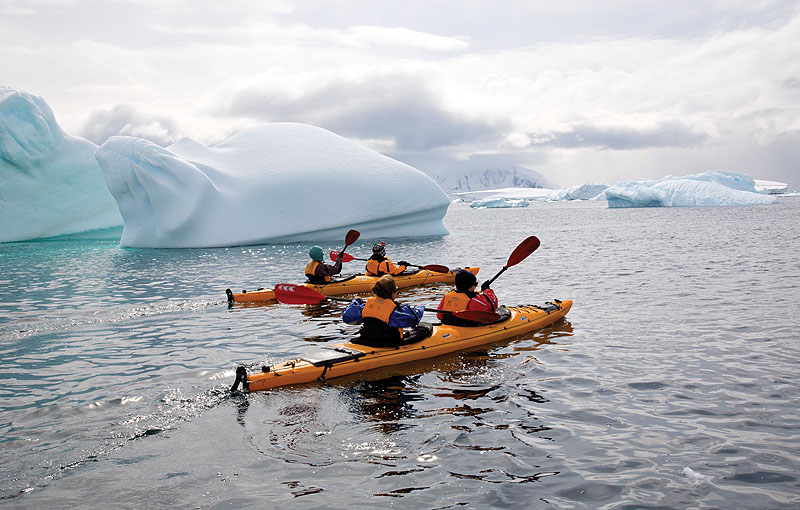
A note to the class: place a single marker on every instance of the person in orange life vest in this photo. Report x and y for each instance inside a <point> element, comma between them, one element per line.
<point>379,265</point>
<point>382,318</point>
<point>464,297</point>
<point>318,272</point>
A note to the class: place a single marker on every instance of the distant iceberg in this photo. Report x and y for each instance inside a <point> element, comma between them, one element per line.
<point>497,203</point>
<point>491,178</point>
<point>508,193</point>
<point>273,183</point>
<point>586,191</point>
<point>50,182</point>
<point>771,187</point>
<point>707,189</point>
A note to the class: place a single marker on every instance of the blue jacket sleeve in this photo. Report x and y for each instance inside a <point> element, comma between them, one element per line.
<point>405,316</point>
<point>352,314</point>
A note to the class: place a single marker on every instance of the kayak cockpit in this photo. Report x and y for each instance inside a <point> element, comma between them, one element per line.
<point>503,314</point>
<point>338,280</point>
<point>549,307</point>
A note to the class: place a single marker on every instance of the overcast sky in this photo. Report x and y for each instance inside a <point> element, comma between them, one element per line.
<point>577,90</point>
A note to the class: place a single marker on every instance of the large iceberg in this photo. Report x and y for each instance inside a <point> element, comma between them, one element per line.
<point>273,183</point>
<point>705,189</point>
<point>50,182</point>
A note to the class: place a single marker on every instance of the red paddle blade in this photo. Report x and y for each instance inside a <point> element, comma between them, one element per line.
<point>351,237</point>
<point>522,251</point>
<point>477,315</point>
<point>297,294</point>
<point>335,255</point>
<point>436,268</point>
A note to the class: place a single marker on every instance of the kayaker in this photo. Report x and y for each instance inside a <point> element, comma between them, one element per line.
<point>383,319</point>
<point>379,265</point>
<point>317,271</point>
<point>464,297</point>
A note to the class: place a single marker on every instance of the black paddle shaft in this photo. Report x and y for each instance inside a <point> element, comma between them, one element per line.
<point>520,253</point>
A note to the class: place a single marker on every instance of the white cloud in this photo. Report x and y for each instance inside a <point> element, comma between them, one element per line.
<point>30,7</point>
<point>399,36</point>
<point>11,9</point>
<point>664,77</point>
<point>126,120</point>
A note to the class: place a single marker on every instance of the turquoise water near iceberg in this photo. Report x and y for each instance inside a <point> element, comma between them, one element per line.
<point>680,352</point>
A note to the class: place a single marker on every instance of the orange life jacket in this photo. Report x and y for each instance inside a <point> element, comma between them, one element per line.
<point>311,271</point>
<point>454,302</point>
<point>381,309</point>
<point>372,267</point>
<point>375,268</point>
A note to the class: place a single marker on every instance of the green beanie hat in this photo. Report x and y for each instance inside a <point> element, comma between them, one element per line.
<point>315,253</point>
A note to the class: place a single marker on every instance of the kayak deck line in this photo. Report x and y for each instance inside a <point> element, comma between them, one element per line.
<point>338,360</point>
<point>354,284</point>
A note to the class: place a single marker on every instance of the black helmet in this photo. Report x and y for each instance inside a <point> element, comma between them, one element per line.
<point>379,249</point>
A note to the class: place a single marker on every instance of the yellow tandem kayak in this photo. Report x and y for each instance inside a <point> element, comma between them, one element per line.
<point>352,285</point>
<point>349,358</point>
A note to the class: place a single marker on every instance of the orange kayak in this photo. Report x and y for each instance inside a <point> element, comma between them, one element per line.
<point>352,285</point>
<point>328,362</point>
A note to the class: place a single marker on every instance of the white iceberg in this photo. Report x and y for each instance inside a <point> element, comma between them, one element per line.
<point>273,183</point>
<point>707,189</point>
<point>586,191</point>
<point>507,193</point>
<point>50,182</point>
<point>497,203</point>
<point>771,187</point>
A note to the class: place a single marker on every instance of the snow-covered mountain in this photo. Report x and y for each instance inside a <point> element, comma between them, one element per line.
<point>492,178</point>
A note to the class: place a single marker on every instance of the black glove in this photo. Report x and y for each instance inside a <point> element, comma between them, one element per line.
<point>340,256</point>
<point>484,285</point>
<point>403,263</point>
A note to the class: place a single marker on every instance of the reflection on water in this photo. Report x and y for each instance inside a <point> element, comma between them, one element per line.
<point>386,402</point>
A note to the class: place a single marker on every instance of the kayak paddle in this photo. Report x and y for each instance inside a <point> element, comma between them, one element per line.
<point>436,268</point>
<point>291,294</point>
<point>519,254</point>
<point>351,237</point>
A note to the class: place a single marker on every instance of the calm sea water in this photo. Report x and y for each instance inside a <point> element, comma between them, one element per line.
<point>681,351</point>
